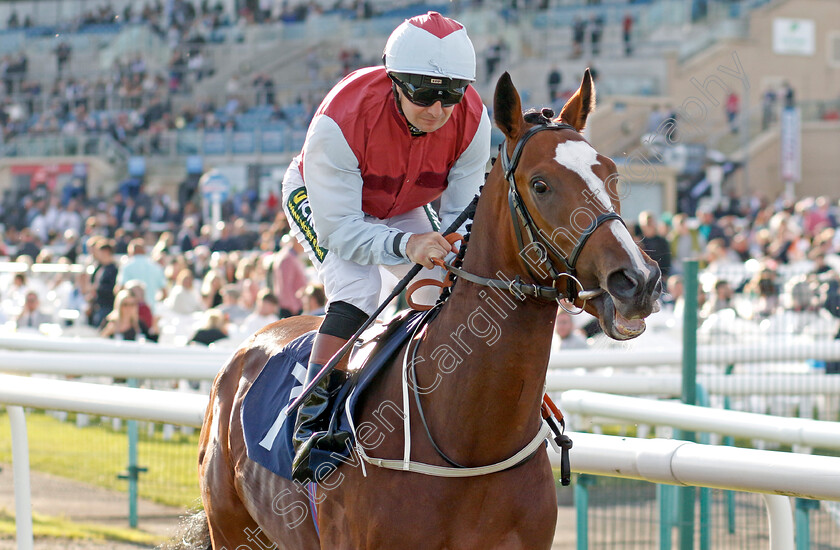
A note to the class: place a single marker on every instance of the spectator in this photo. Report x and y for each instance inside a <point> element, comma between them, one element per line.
<point>765,287</point>
<point>578,35</point>
<point>288,276</point>
<point>213,328</point>
<point>211,287</point>
<point>103,280</point>
<point>231,306</point>
<point>709,228</point>
<point>789,95</point>
<point>123,322</point>
<point>685,240</point>
<point>721,298</point>
<point>566,336</point>
<point>595,31</point>
<point>32,316</point>
<point>184,298</point>
<point>627,33</point>
<point>733,105</point>
<point>138,290</point>
<point>314,299</point>
<point>555,78</point>
<point>29,246</point>
<point>768,108</point>
<point>654,244</point>
<point>673,292</point>
<point>139,266</point>
<point>265,313</point>
<point>492,57</point>
<point>62,57</point>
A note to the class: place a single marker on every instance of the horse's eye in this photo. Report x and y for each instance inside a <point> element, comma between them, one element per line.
<point>540,187</point>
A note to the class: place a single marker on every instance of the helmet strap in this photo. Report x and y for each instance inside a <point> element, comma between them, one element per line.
<point>415,131</point>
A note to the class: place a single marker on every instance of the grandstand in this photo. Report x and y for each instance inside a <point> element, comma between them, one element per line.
<point>239,88</point>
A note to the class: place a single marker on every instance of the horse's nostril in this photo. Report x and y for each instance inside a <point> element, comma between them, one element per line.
<point>622,283</point>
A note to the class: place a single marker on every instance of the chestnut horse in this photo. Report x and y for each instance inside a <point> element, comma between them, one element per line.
<point>481,364</point>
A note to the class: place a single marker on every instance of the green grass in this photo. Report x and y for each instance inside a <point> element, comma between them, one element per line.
<point>52,527</point>
<point>97,454</point>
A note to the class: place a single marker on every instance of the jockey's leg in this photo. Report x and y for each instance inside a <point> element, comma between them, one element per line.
<point>313,415</point>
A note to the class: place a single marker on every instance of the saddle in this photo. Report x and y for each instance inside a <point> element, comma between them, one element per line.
<point>267,424</point>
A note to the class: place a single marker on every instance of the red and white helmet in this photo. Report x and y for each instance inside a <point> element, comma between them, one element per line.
<point>432,45</point>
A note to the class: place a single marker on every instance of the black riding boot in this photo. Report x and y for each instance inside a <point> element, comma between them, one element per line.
<point>313,414</point>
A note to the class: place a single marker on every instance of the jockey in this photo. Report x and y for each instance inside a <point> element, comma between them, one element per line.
<point>384,143</point>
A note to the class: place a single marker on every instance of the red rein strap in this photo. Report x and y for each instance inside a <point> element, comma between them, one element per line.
<point>555,420</point>
<point>550,408</point>
<point>452,238</point>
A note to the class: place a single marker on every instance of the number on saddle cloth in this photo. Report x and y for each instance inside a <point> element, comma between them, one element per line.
<point>266,422</point>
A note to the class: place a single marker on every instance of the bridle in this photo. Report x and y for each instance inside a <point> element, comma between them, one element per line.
<point>523,222</point>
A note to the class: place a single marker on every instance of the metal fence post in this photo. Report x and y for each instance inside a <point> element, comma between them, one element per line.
<point>705,492</point>
<point>133,471</point>
<point>730,441</point>
<point>582,510</point>
<point>689,392</point>
<point>665,496</point>
<point>23,489</point>
<point>803,522</point>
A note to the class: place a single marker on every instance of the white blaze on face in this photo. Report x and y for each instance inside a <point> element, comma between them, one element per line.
<point>580,157</point>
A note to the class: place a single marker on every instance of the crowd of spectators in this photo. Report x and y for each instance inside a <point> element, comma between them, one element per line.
<point>136,266</point>
<point>759,259</point>
<point>768,270</point>
<point>134,105</point>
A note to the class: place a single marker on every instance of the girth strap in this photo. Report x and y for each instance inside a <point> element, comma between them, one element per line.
<point>445,471</point>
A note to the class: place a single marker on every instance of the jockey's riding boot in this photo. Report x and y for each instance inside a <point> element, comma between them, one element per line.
<point>313,415</point>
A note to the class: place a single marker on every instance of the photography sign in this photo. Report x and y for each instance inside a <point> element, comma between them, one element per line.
<point>794,36</point>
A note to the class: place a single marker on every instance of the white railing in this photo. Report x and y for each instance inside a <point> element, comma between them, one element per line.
<point>656,460</point>
<point>559,362</point>
<point>777,475</point>
<point>38,342</point>
<point>17,392</point>
<point>126,365</point>
<point>670,385</point>
<point>140,404</point>
<point>793,431</point>
<point>718,355</point>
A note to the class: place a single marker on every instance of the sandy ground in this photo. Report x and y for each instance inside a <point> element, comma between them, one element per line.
<point>54,496</point>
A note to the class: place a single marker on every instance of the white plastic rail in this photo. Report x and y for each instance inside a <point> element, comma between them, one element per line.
<point>793,431</point>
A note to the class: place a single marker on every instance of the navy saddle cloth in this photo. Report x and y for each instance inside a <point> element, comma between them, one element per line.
<point>266,422</point>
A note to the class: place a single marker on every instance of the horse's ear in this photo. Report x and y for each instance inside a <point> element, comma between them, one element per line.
<point>577,109</point>
<point>507,108</point>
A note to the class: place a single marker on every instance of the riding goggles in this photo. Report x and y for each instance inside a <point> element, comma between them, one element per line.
<point>424,90</point>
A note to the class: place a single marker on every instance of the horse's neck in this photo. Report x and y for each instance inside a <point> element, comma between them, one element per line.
<point>491,352</point>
